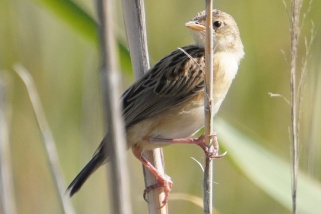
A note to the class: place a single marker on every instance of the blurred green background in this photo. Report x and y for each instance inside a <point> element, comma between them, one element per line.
<point>65,65</point>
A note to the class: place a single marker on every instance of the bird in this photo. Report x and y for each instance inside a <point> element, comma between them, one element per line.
<point>167,102</point>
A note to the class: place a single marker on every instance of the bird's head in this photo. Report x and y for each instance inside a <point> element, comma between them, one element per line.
<point>226,33</point>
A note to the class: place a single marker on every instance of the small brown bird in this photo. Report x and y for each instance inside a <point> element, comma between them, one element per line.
<point>168,101</point>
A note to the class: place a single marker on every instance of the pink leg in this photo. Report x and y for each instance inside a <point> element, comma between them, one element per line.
<point>210,151</point>
<point>163,181</point>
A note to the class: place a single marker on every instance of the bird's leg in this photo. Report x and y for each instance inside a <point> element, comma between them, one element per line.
<point>163,180</point>
<point>210,151</point>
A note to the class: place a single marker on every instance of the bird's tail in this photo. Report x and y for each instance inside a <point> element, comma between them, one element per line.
<point>97,160</point>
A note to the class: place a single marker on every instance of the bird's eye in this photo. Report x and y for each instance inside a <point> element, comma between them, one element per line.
<point>217,24</point>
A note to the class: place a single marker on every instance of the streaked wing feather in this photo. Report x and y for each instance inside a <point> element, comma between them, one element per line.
<point>171,81</point>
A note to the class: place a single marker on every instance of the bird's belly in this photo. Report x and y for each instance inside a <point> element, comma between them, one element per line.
<point>180,124</point>
<point>182,121</point>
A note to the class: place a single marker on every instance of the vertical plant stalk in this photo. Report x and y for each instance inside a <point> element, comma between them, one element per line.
<point>134,16</point>
<point>295,31</point>
<point>208,106</point>
<point>110,84</point>
<point>7,199</point>
<point>48,140</point>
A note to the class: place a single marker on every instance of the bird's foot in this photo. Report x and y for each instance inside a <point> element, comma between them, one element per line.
<point>163,182</point>
<point>212,150</point>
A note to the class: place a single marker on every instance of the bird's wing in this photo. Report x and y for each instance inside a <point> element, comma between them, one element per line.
<point>174,79</point>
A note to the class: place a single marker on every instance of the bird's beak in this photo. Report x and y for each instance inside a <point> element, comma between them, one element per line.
<point>195,26</point>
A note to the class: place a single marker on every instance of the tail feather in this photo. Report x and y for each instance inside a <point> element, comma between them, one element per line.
<point>90,168</point>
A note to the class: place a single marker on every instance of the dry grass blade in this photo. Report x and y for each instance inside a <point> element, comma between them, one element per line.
<point>208,105</point>
<point>134,16</point>
<point>295,32</point>
<point>110,84</point>
<point>7,199</point>
<point>48,140</point>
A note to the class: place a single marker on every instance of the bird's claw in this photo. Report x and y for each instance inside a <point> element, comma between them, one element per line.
<point>212,150</point>
<point>165,183</point>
